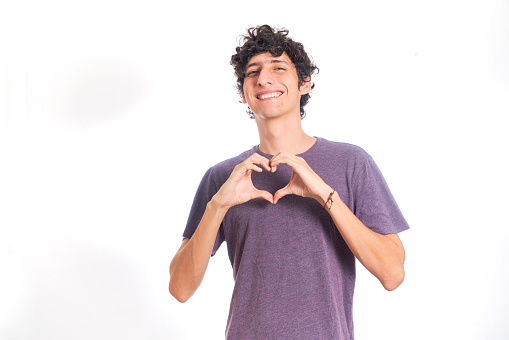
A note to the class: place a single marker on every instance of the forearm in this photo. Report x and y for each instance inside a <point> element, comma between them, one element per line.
<point>382,255</point>
<point>189,264</point>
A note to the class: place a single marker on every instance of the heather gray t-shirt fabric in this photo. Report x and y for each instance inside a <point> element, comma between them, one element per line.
<point>294,274</point>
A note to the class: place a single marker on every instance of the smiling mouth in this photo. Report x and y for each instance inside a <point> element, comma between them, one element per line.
<point>269,95</point>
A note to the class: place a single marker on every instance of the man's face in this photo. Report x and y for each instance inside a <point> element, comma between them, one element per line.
<point>271,86</point>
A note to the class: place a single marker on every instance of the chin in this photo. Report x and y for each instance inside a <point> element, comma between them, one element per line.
<point>268,115</point>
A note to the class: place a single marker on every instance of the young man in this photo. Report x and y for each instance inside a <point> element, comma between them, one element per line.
<point>295,211</point>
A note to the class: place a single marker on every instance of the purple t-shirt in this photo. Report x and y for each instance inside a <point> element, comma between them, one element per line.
<point>294,274</point>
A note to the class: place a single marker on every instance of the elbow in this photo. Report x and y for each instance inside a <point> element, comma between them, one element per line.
<point>394,281</point>
<point>395,274</point>
<point>178,293</point>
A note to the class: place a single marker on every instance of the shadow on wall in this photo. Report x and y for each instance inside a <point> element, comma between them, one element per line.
<point>96,91</point>
<point>83,291</point>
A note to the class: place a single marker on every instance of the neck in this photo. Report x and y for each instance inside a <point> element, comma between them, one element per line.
<point>278,135</point>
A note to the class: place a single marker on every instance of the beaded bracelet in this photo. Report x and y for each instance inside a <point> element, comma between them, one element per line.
<point>329,199</point>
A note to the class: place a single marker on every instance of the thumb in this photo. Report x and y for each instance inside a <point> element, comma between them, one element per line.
<point>282,193</point>
<point>265,195</point>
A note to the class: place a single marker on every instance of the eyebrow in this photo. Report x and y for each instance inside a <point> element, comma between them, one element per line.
<point>274,61</point>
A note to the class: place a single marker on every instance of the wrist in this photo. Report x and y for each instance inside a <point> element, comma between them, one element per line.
<point>324,194</point>
<point>216,205</point>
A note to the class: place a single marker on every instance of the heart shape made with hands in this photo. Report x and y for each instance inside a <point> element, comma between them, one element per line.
<point>284,174</point>
<point>272,181</point>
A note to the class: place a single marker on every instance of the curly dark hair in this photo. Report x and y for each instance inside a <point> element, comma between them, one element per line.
<point>263,39</point>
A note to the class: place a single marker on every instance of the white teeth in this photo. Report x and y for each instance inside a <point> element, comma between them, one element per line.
<point>270,95</point>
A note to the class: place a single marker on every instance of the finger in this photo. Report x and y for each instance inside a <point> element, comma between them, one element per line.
<point>259,159</point>
<point>274,162</point>
<point>251,165</point>
<point>265,195</point>
<point>254,167</point>
<point>283,158</point>
<point>273,168</point>
<point>281,193</point>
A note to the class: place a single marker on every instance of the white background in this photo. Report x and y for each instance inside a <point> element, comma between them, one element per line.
<point>111,111</point>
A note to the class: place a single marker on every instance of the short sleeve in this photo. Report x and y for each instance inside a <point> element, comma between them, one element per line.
<point>374,203</point>
<point>206,190</point>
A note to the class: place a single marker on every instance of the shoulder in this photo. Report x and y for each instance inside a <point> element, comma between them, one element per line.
<point>222,170</point>
<point>341,151</point>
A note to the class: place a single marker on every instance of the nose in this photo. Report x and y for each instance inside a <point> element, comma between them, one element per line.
<point>265,77</point>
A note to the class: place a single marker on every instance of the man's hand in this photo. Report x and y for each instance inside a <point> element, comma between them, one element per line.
<point>239,187</point>
<point>382,255</point>
<point>304,182</point>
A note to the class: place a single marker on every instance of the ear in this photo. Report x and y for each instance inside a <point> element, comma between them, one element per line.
<point>244,101</point>
<point>305,88</point>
